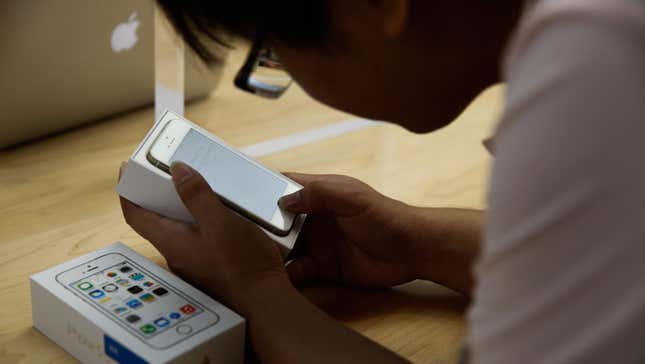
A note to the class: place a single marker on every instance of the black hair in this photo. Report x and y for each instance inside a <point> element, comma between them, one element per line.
<point>296,23</point>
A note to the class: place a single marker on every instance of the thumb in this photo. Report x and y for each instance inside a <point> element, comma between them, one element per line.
<point>196,194</point>
<point>326,194</point>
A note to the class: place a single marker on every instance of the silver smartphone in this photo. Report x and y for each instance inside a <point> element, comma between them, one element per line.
<point>244,185</point>
<point>137,300</point>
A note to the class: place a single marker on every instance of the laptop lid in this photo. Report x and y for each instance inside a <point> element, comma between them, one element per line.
<point>65,63</point>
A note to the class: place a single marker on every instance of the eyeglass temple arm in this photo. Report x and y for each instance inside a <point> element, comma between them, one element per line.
<point>242,77</point>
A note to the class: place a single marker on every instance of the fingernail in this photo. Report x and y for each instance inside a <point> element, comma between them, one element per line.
<point>290,200</point>
<point>180,173</point>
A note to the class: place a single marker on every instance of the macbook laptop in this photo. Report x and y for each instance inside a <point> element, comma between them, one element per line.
<point>64,63</point>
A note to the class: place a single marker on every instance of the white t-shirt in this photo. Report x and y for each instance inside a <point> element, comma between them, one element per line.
<point>561,278</point>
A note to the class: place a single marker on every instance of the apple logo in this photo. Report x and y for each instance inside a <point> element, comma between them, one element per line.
<point>124,35</point>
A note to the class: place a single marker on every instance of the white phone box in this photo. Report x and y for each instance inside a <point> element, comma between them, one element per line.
<point>86,328</point>
<point>149,187</point>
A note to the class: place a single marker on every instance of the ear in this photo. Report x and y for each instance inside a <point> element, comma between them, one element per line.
<point>396,16</point>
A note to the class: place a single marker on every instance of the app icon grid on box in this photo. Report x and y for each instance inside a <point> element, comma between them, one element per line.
<point>157,308</point>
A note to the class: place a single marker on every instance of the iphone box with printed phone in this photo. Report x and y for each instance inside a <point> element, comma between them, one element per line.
<point>248,187</point>
<point>114,305</point>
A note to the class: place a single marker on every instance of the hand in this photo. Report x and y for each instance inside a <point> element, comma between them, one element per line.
<point>221,253</point>
<point>353,234</point>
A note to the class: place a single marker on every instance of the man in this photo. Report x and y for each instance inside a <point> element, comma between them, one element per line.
<point>558,277</point>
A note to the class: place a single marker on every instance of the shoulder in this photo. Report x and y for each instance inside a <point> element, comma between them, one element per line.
<point>542,15</point>
<point>565,45</point>
<point>564,228</point>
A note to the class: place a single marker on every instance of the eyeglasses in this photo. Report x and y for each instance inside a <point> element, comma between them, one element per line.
<point>262,73</point>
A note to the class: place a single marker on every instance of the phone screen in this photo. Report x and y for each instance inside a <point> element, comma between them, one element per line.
<point>143,303</point>
<point>233,177</point>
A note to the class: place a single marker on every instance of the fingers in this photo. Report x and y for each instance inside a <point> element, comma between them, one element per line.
<point>301,270</point>
<point>294,201</point>
<point>162,232</point>
<point>198,197</point>
<point>343,196</point>
<point>165,234</point>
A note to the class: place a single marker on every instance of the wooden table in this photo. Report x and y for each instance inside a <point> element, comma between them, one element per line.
<point>57,202</point>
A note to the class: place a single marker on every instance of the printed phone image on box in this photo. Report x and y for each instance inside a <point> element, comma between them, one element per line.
<point>114,305</point>
<point>137,300</point>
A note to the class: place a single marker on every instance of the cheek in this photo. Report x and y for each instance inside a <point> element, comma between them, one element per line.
<point>318,75</point>
<point>338,81</point>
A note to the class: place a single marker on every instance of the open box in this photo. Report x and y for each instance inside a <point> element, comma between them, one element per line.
<point>149,187</point>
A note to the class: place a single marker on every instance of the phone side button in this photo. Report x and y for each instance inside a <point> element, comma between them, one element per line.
<point>184,329</point>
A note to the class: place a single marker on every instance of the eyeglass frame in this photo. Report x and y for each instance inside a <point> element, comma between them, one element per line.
<point>243,76</point>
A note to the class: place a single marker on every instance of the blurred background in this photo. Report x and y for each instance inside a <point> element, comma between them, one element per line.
<point>71,62</point>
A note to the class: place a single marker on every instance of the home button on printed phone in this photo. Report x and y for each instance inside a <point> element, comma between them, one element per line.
<point>184,329</point>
